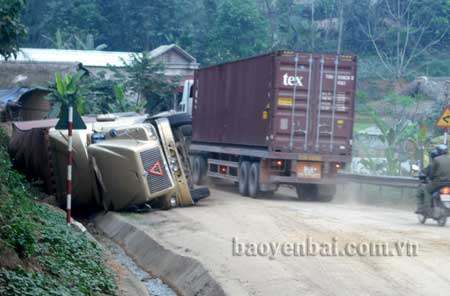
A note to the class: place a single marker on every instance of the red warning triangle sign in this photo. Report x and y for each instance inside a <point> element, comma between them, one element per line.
<point>156,169</point>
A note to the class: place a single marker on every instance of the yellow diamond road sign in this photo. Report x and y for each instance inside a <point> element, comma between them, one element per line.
<point>444,119</point>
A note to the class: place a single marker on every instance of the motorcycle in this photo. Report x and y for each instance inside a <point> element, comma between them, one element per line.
<point>440,207</point>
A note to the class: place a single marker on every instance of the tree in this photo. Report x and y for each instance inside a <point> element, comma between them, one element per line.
<point>74,42</point>
<point>71,20</point>
<point>91,94</point>
<point>239,30</point>
<point>99,96</point>
<point>142,25</point>
<point>11,29</point>
<point>395,136</point>
<point>145,77</point>
<point>102,96</point>
<point>399,34</point>
<point>284,22</point>
<point>419,142</point>
<point>308,25</point>
<point>203,38</point>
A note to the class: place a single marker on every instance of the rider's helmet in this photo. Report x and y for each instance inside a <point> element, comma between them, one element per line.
<point>441,149</point>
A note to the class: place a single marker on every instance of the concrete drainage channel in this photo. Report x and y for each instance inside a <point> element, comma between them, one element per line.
<point>185,275</point>
<point>154,285</point>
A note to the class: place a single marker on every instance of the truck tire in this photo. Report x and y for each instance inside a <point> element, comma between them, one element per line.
<point>325,198</point>
<point>198,170</point>
<point>307,191</point>
<point>253,180</point>
<point>175,120</point>
<point>326,192</point>
<point>244,171</point>
<point>164,202</point>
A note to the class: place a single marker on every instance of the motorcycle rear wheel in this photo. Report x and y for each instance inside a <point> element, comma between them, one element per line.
<point>442,221</point>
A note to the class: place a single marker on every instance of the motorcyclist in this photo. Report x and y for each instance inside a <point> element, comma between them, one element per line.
<point>425,172</point>
<point>438,174</point>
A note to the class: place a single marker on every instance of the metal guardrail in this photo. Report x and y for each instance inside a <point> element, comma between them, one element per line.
<point>393,181</point>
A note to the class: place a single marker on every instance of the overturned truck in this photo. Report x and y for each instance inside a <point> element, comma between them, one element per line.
<point>119,162</point>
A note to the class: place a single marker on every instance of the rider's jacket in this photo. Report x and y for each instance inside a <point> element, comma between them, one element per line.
<point>439,172</point>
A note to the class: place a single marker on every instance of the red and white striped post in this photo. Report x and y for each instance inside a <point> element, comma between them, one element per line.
<point>69,166</point>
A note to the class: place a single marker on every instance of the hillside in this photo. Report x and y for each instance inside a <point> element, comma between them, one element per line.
<point>39,253</point>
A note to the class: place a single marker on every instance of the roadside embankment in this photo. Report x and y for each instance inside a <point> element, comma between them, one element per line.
<point>39,253</point>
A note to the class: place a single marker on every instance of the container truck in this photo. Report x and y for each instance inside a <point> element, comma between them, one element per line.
<point>285,117</point>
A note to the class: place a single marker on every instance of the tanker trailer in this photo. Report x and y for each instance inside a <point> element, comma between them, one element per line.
<point>121,163</point>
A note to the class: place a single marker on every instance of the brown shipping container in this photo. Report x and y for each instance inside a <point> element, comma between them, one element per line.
<point>249,103</point>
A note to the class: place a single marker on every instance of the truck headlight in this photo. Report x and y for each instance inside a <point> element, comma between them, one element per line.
<point>173,163</point>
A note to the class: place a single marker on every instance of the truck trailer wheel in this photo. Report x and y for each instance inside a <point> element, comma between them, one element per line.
<point>307,191</point>
<point>253,180</point>
<point>198,170</point>
<point>244,171</point>
<point>325,198</point>
<point>326,192</point>
<point>164,202</point>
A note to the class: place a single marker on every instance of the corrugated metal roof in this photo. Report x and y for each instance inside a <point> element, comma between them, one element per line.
<point>165,48</point>
<point>86,57</point>
<point>93,58</point>
<point>11,94</point>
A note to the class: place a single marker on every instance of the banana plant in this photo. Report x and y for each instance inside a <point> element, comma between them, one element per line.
<point>394,137</point>
<point>420,141</point>
<point>74,42</point>
<point>66,90</point>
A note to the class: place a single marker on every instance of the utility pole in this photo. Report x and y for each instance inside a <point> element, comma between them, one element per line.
<point>341,26</point>
<point>313,35</point>
<point>447,98</point>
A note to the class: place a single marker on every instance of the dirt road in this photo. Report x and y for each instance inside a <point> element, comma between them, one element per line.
<point>206,232</point>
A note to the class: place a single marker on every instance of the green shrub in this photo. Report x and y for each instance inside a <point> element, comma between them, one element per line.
<point>19,233</point>
<point>71,264</point>
<point>21,282</point>
<point>4,139</point>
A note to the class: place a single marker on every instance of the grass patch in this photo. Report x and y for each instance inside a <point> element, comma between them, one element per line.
<point>52,258</point>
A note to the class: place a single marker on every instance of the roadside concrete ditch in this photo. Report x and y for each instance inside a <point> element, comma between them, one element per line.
<point>154,285</point>
<point>184,275</point>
